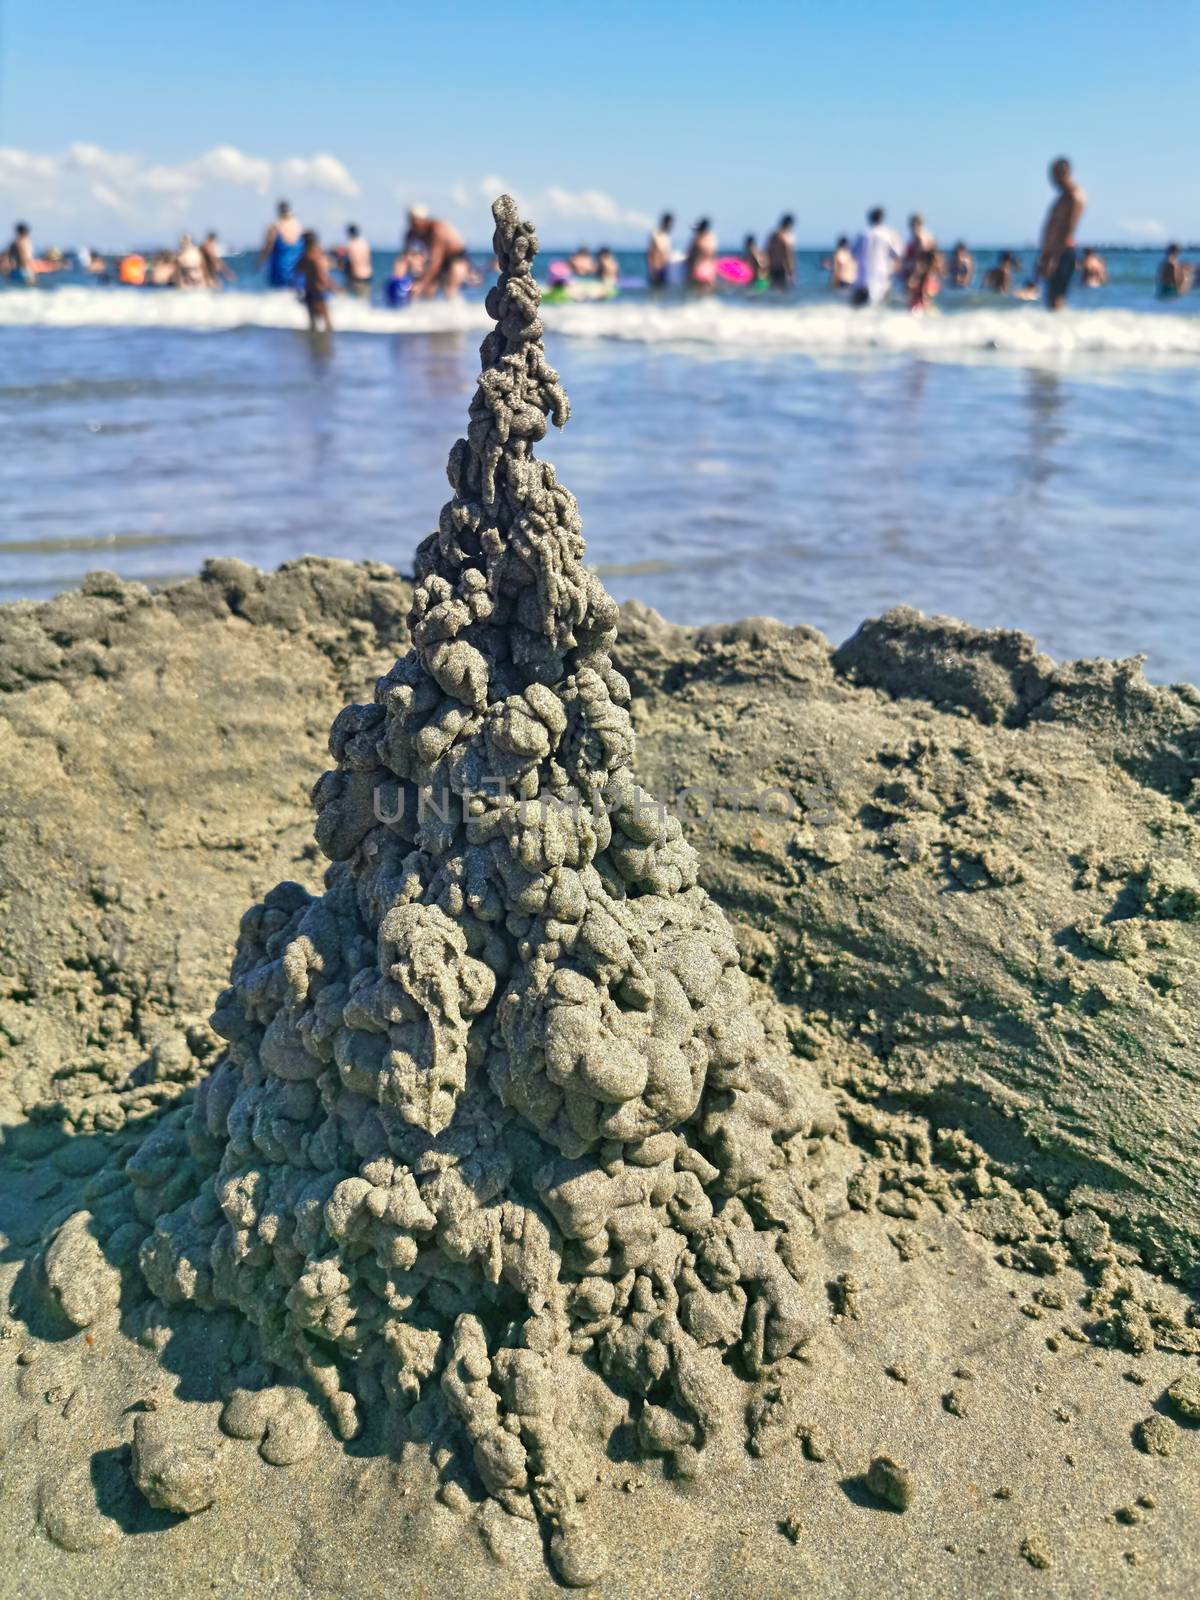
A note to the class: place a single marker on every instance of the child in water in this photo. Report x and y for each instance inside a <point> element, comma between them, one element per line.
<point>316,285</point>
<point>407,267</point>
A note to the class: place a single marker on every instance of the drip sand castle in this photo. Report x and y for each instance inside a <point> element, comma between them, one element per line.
<point>729,1242</point>
<point>500,1145</point>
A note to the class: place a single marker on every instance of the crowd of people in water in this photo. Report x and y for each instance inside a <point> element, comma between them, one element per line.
<point>433,260</point>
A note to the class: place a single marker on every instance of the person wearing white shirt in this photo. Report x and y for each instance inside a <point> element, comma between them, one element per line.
<point>877,253</point>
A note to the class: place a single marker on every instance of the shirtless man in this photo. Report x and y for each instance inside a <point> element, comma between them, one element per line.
<point>316,284</point>
<point>446,264</point>
<point>214,262</point>
<point>658,252</point>
<point>582,263</point>
<point>1174,275</point>
<point>358,261</point>
<point>781,255</point>
<point>189,265</point>
<point>962,267</point>
<point>1056,261</point>
<point>20,256</point>
<point>999,279</point>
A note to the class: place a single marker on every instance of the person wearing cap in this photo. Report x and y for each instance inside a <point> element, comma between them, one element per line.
<point>282,247</point>
<point>446,264</point>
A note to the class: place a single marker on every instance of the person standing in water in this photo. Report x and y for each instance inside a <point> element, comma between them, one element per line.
<point>359,269</point>
<point>658,252</point>
<point>920,243</point>
<point>189,265</point>
<point>446,264</point>
<point>998,279</point>
<point>756,260</point>
<point>701,272</point>
<point>962,267</point>
<point>843,270</point>
<point>316,285</point>
<point>282,247</point>
<point>214,262</point>
<point>781,254</point>
<point>1174,275</point>
<point>877,254</point>
<point>1056,260</point>
<point>21,257</point>
<point>608,269</point>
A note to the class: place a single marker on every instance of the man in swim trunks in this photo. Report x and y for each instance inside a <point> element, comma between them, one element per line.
<point>21,257</point>
<point>781,255</point>
<point>281,248</point>
<point>446,266</point>
<point>316,284</point>
<point>1056,262</point>
<point>359,270</point>
<point>658,252</point>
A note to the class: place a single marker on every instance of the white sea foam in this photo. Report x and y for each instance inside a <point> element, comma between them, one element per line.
<point>1023,334</point>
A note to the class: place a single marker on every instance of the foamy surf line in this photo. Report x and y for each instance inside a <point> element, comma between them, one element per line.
<point>1025,333</point>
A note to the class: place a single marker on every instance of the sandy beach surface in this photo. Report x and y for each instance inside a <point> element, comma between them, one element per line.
<point>979,914</point>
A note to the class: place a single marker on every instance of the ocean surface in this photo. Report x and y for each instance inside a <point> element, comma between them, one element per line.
<point>733,456</point>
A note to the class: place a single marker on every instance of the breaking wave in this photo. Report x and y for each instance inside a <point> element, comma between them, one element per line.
<point>1025,334</point>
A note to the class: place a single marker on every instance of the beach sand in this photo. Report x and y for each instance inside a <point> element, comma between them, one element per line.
<point>981,916</point>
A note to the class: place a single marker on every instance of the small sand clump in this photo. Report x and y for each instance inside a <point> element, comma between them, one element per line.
<point>1184,1396</point>
<point>172,1469</point>
<point>1156,1435</point>
<point>891,1482</point>
<point>502,1156</point>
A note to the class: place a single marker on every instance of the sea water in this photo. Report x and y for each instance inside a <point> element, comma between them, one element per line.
<point>732,456</point>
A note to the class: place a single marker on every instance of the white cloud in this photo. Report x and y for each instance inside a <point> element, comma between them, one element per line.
<point>88,185</point>
<point>591,205</point>
<point>324,173</point>
<point>18,167</point>
<point>1148,228</point>
<point>225,164</point>
<point>547,206</point>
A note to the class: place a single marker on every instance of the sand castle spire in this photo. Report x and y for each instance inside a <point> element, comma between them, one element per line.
<point>500,1148</point>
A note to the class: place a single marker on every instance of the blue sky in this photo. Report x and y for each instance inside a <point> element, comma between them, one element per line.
<point>131,121</point>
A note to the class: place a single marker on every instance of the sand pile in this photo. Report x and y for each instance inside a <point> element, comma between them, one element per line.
<point>501,1154</point>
